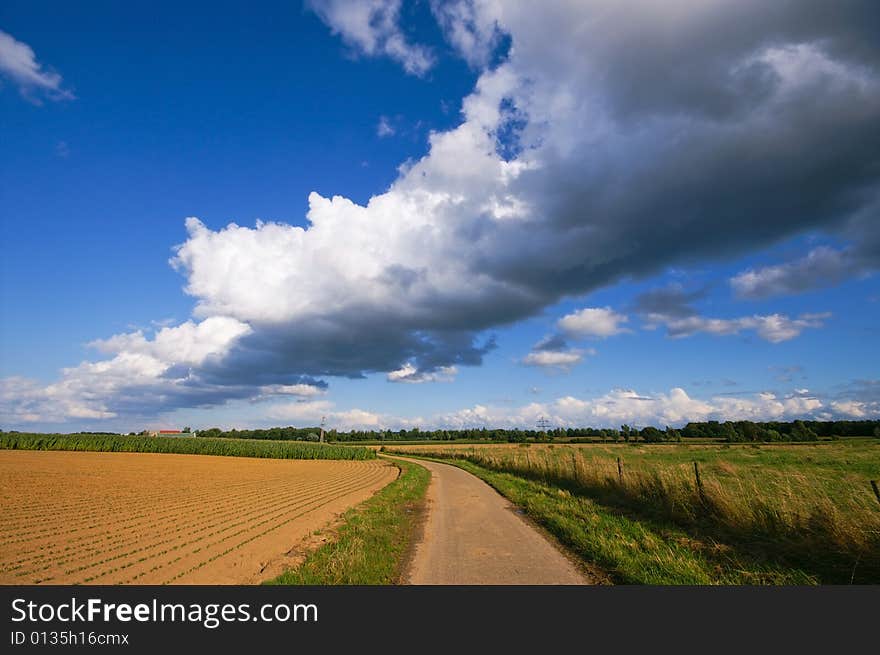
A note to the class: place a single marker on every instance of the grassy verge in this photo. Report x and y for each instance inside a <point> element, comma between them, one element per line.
<point>373,540</point>
<point>629,548</point>
<point>182,445</point>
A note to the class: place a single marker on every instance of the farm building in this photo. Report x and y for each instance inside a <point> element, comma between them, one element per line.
<point>168,433</point>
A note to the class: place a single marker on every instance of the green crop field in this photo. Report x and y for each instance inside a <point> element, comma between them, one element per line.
<point>802,513</point>
<point>182,445</point>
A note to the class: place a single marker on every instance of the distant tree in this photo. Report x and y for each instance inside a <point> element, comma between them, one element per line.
<point>728,432</point>
<point>650,434</point>
<point>187,430</point>
<point>770,435</point>
<point>800,432</point>
<point>748,430</point>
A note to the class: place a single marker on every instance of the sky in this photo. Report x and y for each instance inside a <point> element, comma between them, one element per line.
<point>473,213</point>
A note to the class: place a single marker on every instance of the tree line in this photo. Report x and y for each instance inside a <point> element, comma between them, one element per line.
<point>289,433</point>
<point>731,431</point>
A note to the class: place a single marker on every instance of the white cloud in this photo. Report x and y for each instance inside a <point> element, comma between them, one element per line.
<point>298,390</point>
<point>24,401</point>
<point>188,343</point>
<point>620,406</point>
<point>471,26</point>
<point>384,128</point>
<point>774,328</point>
<point>675,407</point>
<point>359,419</point>
<point>671,306</point>
<point>561,359</point>
<point>306,411</point>
<point>19,63</point>
<point>593,322</point>
<point>143,376</point>
<point>822,266</point>
<point>852,408</point>
<point>372,28</point>
<point>312,413</point>
<point>412,375</point>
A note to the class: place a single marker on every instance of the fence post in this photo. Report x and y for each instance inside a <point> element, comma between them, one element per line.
<point>699,482</point>
<point>619,471</point>
<point>876,490</point>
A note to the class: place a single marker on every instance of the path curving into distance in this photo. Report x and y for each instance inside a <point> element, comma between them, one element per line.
<point>473,536</point>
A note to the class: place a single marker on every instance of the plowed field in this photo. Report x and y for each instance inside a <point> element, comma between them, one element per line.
<point>140,518</point>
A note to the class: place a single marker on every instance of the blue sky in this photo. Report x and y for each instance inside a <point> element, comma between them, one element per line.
<point>512,215</point>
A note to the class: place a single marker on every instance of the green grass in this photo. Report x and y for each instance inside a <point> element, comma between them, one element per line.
<point>373,540</point>
<point>773,514</point>
<point>182,445</point>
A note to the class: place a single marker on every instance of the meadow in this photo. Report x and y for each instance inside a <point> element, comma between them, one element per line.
<point>697,514</point>
<point>182,445</point>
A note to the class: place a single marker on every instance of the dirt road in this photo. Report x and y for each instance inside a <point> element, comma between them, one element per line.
<point>473,536</point>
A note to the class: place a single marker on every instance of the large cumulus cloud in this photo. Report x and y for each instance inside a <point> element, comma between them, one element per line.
<point>646,134</point>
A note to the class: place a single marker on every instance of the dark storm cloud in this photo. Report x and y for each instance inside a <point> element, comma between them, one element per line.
<point>683,63</point>
<point>271,355</point>
<point>716,192</point>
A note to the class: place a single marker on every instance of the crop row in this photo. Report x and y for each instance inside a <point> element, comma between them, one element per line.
<point>182,445</point>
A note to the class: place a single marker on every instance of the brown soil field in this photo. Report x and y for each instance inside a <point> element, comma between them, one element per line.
<point>145,518</point>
